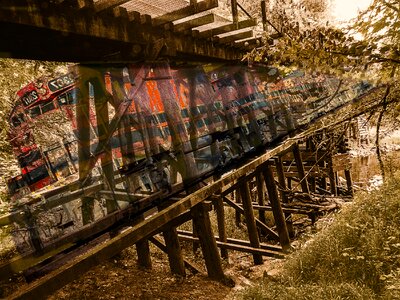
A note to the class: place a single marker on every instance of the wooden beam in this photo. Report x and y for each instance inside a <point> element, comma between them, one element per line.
<point>243,248</point>
<point>260,196</point>
<point>201,220</point>
<point>236,241</point>
<point>300,169</point>
<point>101,5</point>
<point>233,37</point>
<point>185,12</point>
<point>264,14</point>
<point>276,208</point>
<point>173,248</point>
<point>260,224</point>
<point>235,14</point>
<point>250,221</point>
<point>219,208</point>
<point>224,29</point>
<point>189,24</point>
<point>282,184</point>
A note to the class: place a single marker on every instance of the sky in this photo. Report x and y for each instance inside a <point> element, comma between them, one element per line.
<point>344,10</point>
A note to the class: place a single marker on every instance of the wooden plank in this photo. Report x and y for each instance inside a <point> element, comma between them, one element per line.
<point>248,42</point>
<point>236,241</point>
<point>284,209</point>
<point>241,248</point>
<point>185,12</point>
<point>250,221</point>
<point>276,208</point>
<point>101,5</point>
<point>226,39</point>
<point>189,24</point>
<point>224,29</point>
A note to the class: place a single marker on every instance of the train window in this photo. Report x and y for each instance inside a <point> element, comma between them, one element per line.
<point>202,109</point>
<point>18,120</point>
<point>162,117</point>
<point>28,159</point>
<point>218,105</point>
<point>194,111</point>
<point>62,100</point>
<point>37,174</point>
<point>35,111</point>
<point>48,107</point>
<point>72,96</point>
<point>199,123</point>
<point>185,113</point>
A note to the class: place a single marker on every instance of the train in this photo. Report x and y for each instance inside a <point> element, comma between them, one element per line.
<point>151,125</point>
<point>232,108</point>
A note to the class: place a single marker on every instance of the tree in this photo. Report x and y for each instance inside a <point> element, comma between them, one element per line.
<point>14,75</point>
<point>367,49</point>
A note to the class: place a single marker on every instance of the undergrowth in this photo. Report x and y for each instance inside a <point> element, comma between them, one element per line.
<point>357,257</point>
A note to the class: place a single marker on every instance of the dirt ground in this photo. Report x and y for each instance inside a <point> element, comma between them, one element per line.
<point>120,278</point>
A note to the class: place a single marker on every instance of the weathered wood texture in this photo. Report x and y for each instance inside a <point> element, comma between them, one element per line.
<point>67,273</point>
<point>104,31</point>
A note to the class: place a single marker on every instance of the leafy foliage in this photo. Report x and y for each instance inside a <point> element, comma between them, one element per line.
<point>14,75</point>
<point>357,257</point>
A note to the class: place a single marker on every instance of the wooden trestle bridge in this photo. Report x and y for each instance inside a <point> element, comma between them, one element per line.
<point>121,31</point>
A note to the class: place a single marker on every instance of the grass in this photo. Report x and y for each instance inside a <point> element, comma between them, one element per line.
<point>357,257</point>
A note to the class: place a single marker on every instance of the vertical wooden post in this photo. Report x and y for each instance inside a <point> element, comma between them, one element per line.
<point>235,14</point>
<point>264,14</point>
<point>83,137</point>
<point>332,177</point>
<point>102,118</point>
<point>276,208</point>
<point>300,168</point>
<point>174,252</point>
<point>250,221</point>
<point>237,213</point>
<point>282,183</point>
<point>143,251</point>
<point>219,209</point>
<point>260,196</point>
<point>313,185</point>
<point>208,244</point>
<point>349,181</point>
